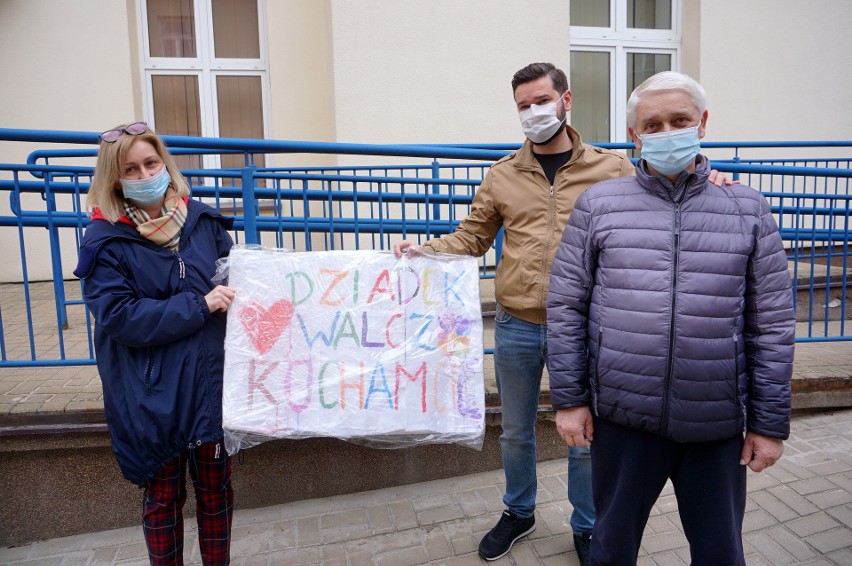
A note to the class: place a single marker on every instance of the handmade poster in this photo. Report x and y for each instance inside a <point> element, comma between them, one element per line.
<point>357,345</point>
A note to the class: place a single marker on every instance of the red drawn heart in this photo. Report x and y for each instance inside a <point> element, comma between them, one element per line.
<point>264,326</point>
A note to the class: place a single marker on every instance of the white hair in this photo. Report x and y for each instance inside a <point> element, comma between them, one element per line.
<point>667,80</point>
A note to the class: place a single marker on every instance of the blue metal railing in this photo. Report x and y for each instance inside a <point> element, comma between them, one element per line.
<point>358,207</point>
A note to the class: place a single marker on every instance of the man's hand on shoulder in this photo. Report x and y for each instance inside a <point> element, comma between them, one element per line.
<point>718,178</point>
<point>575,425</point>
<point>760,452</point>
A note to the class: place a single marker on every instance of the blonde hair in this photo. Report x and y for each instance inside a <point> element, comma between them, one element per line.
<point>105,190</point>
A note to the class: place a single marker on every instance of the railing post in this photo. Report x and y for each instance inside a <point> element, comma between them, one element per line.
<point>737,160</point>
<point>251,233</point>
<point>55,256</point>
<point>435,189</point>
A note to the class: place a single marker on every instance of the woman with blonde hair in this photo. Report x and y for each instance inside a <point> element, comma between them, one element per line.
<point>148,258</point>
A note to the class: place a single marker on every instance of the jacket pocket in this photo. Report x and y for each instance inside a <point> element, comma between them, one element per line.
<point>738,387</point>
<point>147,379</point>
<point>594,378</point>
<point>501,316</point>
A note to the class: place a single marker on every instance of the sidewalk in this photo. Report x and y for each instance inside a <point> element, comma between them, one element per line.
<point>798,512</point>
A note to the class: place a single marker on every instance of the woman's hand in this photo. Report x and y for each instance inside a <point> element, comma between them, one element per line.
<point>219,299</point>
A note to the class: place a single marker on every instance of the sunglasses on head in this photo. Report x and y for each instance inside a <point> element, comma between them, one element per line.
<point>134,129</point>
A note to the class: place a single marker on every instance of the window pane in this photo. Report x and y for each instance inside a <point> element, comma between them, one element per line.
<point>177,111</point>
<point>235,33</point>
<point>641,66</point>
<point>649,14</point>
<point>591,13</point>
<point>240,113</point>
<point>171,28</point>
<point>590,94</point>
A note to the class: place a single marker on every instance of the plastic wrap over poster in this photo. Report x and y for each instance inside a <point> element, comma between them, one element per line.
<point>356,345</point>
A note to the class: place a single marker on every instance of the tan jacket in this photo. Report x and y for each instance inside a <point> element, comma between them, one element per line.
<point>516,194</point>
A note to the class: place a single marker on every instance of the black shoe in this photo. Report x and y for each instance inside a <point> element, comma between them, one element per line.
<point>581,545</point>
<point>500,539</point>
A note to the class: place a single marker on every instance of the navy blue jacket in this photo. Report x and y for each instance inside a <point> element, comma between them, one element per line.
<point>671,312</point>
<point>160,353</point>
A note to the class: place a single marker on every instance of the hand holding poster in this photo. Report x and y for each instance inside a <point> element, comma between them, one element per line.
<point>354,345</point>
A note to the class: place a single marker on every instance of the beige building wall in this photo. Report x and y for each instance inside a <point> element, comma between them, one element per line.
<point>440,71</point>
<point>301,66</point>
<point>773,69</point>
<point>66,66</point>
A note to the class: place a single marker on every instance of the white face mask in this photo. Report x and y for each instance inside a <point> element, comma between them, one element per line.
<point>540,121</point>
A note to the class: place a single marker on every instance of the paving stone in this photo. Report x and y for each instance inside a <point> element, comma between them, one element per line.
<point>551,518</point>
<point>843,513</point>
<point>842,556</point>
<point>470,503</point>
<point>464,560</point>
<point>843,481</point>
<point>666,504</point>
<point>663,542</point>
<point>757,482</point>
<point>758,519</point>
<point>492,497</point>
<point>552,545</point>
<point>464,544</point>
<point>829,541</point>
<point>380,518</point>
<point>770,549</point>
<point>668,559</point>
<point>251,539</point>
<point>791,543</point>
<point>342,518</point>
<point>440,514</point>
<point>773,506</point>
<point>793,500</point>
<point>813,485</point>
<point>401,557</point>
<point>437,545</point>
<point>283,535</point>
<point>403,514</point>
<point>830,498</point>
<point>308,532</point>
<point>334,551</point>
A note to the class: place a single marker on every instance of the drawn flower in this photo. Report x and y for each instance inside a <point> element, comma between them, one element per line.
<point>454,337</point>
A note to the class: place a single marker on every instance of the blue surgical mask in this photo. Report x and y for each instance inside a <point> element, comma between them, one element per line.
<point>671,152</point>
<point>147,192</point>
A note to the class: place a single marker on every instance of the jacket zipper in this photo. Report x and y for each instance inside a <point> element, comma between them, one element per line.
<point>664,422</point>
<point>181,267</point>
<point>548,240</point>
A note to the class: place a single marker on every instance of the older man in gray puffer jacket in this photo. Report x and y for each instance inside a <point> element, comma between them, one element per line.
<point>670,319</point>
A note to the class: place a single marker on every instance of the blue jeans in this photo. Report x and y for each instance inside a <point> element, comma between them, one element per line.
<point>520,355</point>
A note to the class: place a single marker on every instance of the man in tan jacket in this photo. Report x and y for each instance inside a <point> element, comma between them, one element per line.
<point>530,193</point>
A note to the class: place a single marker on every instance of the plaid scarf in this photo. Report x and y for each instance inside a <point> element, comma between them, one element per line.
<point>164,230</point>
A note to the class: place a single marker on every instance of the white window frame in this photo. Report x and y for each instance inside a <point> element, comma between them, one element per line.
<point>618,40</point>
<point>206,67</point>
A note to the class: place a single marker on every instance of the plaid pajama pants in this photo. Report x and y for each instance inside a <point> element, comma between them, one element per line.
<point>164,497</point>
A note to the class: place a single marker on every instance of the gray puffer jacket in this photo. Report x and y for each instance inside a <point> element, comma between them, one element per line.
<point>670,310</point>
